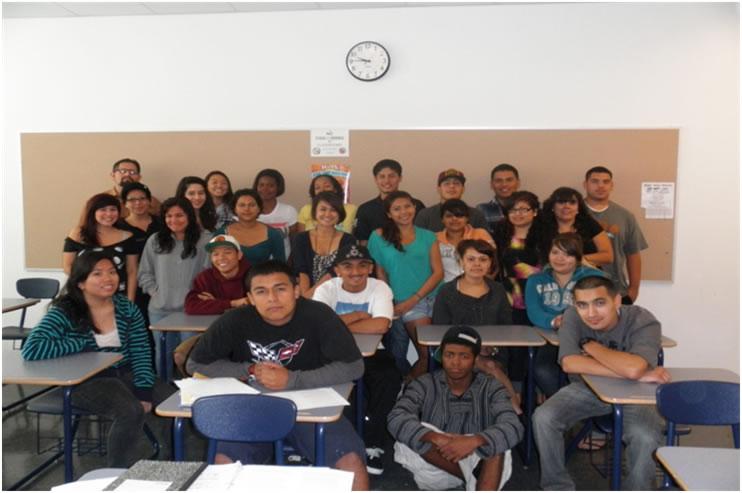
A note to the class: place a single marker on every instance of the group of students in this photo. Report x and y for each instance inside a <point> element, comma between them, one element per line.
<point>386,267</point>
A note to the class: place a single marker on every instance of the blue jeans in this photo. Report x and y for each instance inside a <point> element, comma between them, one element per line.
<point>396,341</point>
<point>172,339</point>
<point>642,435</point>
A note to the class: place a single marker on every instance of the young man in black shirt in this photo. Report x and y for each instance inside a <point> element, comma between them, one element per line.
<point>285,342</point>
<point>371,214</point>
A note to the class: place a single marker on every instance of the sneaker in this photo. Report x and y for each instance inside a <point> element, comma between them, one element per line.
<point>374,464</point>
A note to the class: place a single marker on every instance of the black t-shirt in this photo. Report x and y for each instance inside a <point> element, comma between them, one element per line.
<point>140,237</point>
<point>370,217</point>
<point>313,338</point>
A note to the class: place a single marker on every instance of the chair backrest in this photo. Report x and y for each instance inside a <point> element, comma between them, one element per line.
<point>243,418</point>
<point>699,402</point>
<point>37,287</point>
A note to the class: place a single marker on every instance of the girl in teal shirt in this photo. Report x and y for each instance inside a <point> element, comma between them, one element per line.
<point>409,260</point>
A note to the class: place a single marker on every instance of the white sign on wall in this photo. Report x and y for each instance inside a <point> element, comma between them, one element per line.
<point>329,143</point>
<point>658,200</point>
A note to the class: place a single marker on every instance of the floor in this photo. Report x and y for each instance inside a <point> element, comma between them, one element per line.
<point>19,455</point>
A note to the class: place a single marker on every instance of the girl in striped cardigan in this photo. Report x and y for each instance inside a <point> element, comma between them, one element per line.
<point>90,316</point>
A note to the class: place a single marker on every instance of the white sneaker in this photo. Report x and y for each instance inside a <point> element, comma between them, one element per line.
<point>374,464</point>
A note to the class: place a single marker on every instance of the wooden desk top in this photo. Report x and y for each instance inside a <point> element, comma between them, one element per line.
<point>701,468</point>
<point>624,391</point>
<point>171,408</point>
<point>64,371</point>
<point>552,337</point>
<point>180,322</point>
<point>492,335</point>
<point>11,304</point>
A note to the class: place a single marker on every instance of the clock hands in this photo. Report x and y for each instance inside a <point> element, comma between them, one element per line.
<point>365,60</point>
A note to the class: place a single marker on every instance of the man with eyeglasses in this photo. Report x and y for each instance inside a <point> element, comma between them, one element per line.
<point>504,180</point>
<point>125,171</point>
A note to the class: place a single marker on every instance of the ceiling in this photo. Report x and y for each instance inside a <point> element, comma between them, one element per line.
<point>91,9</point>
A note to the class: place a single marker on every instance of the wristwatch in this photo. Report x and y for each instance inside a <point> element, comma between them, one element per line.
<point>585,340</point>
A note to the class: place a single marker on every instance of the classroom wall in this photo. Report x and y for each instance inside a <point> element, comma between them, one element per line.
<point>505,66</point>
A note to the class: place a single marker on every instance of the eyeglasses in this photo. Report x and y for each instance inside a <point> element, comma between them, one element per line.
<point>522,210</point>
<point>130,172</point>
<point>137,199</point>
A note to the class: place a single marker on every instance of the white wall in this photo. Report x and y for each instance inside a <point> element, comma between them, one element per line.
<point>508,66</point>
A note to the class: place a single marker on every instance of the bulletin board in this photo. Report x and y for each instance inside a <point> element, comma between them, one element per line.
<point>62,170</point>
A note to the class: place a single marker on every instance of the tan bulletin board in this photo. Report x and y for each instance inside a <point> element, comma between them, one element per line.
<point>62,170</point>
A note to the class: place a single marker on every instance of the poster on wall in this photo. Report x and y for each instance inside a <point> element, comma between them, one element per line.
<point>341,172</point>
<point>658,200</point>
<point>329,143</point>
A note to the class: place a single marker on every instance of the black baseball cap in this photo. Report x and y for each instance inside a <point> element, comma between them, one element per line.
<point>463,335</point>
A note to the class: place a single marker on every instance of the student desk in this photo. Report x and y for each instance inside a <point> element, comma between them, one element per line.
<point>496,335</point>
<point>701,468</point>
<point>171,408</point>
<point>179,322</point>
<point>11,304</point>
<point>66,372</point>
<point>619,391</point>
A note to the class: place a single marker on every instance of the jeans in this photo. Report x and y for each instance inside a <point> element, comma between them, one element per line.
<point>172,339</point>
<point>112,398</point>
<point>396,342</point>
<point>642,435</point>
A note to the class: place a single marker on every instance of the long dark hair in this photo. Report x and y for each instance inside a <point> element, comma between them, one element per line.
<point>207,212</point>
<point>165,237</point>
<point>551,226</point>
<point>71,299</point>
<point>504,229</point>
<point>389,230</point>
<point>228,196</point>
<point>89,226</point>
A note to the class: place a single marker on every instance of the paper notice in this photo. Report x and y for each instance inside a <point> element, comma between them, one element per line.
<point>658,200</point>
<point>329,143</point>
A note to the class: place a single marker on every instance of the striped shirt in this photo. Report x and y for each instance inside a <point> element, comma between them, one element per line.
<point>54,337</point>
<point>484,409</point>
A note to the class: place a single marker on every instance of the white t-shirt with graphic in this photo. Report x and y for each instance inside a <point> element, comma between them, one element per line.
<point>375,300</point>
<point>282,217</point>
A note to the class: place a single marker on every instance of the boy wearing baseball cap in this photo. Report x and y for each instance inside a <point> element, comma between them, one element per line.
<point>365,306</point>
<point>455,425</point>
<point>222,286</point>
<point>450,186</point>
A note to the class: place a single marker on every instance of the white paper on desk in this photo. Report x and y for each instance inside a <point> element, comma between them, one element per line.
<point>217,477</point>
<point>87,485</point>
<point>142,485</point>
<point>313,398</point>
<point>283,478</point>
<point>193,388</point>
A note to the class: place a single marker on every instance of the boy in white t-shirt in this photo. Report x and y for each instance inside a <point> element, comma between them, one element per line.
<point>365,305</point>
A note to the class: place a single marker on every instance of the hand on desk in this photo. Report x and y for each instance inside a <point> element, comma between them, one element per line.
<point>656,375</point>
<point>271,375</point>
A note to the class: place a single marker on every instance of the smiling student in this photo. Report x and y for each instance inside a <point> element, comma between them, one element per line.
<point>125,171</point>
<point>196,191</point>
<point>598,336</point>
<point>283,341</point>
<point>221,287</point>
<point>504,181</point>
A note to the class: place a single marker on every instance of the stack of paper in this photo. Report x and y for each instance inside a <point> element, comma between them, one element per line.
<point>193,388</point>
<point>232,477</point>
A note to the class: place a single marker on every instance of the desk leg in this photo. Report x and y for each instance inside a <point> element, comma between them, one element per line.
<point>67,424</point>
<point>178,446</point>
<point>360,415</point>
<point>617,445</point>
<point>530,390</point>
<point>431,362</point>
<point>319,445</point>
<point>163,356</point>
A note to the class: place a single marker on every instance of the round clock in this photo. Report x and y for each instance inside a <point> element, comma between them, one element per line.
<point>368,61</point>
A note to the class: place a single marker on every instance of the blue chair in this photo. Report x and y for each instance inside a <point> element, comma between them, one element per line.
<point>244,418</point>
<point>698,402</point>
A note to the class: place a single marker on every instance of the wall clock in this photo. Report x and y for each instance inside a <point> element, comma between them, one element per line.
<point>368,61</point>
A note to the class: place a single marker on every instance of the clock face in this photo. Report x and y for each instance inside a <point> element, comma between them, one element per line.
<point>367,61</point>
